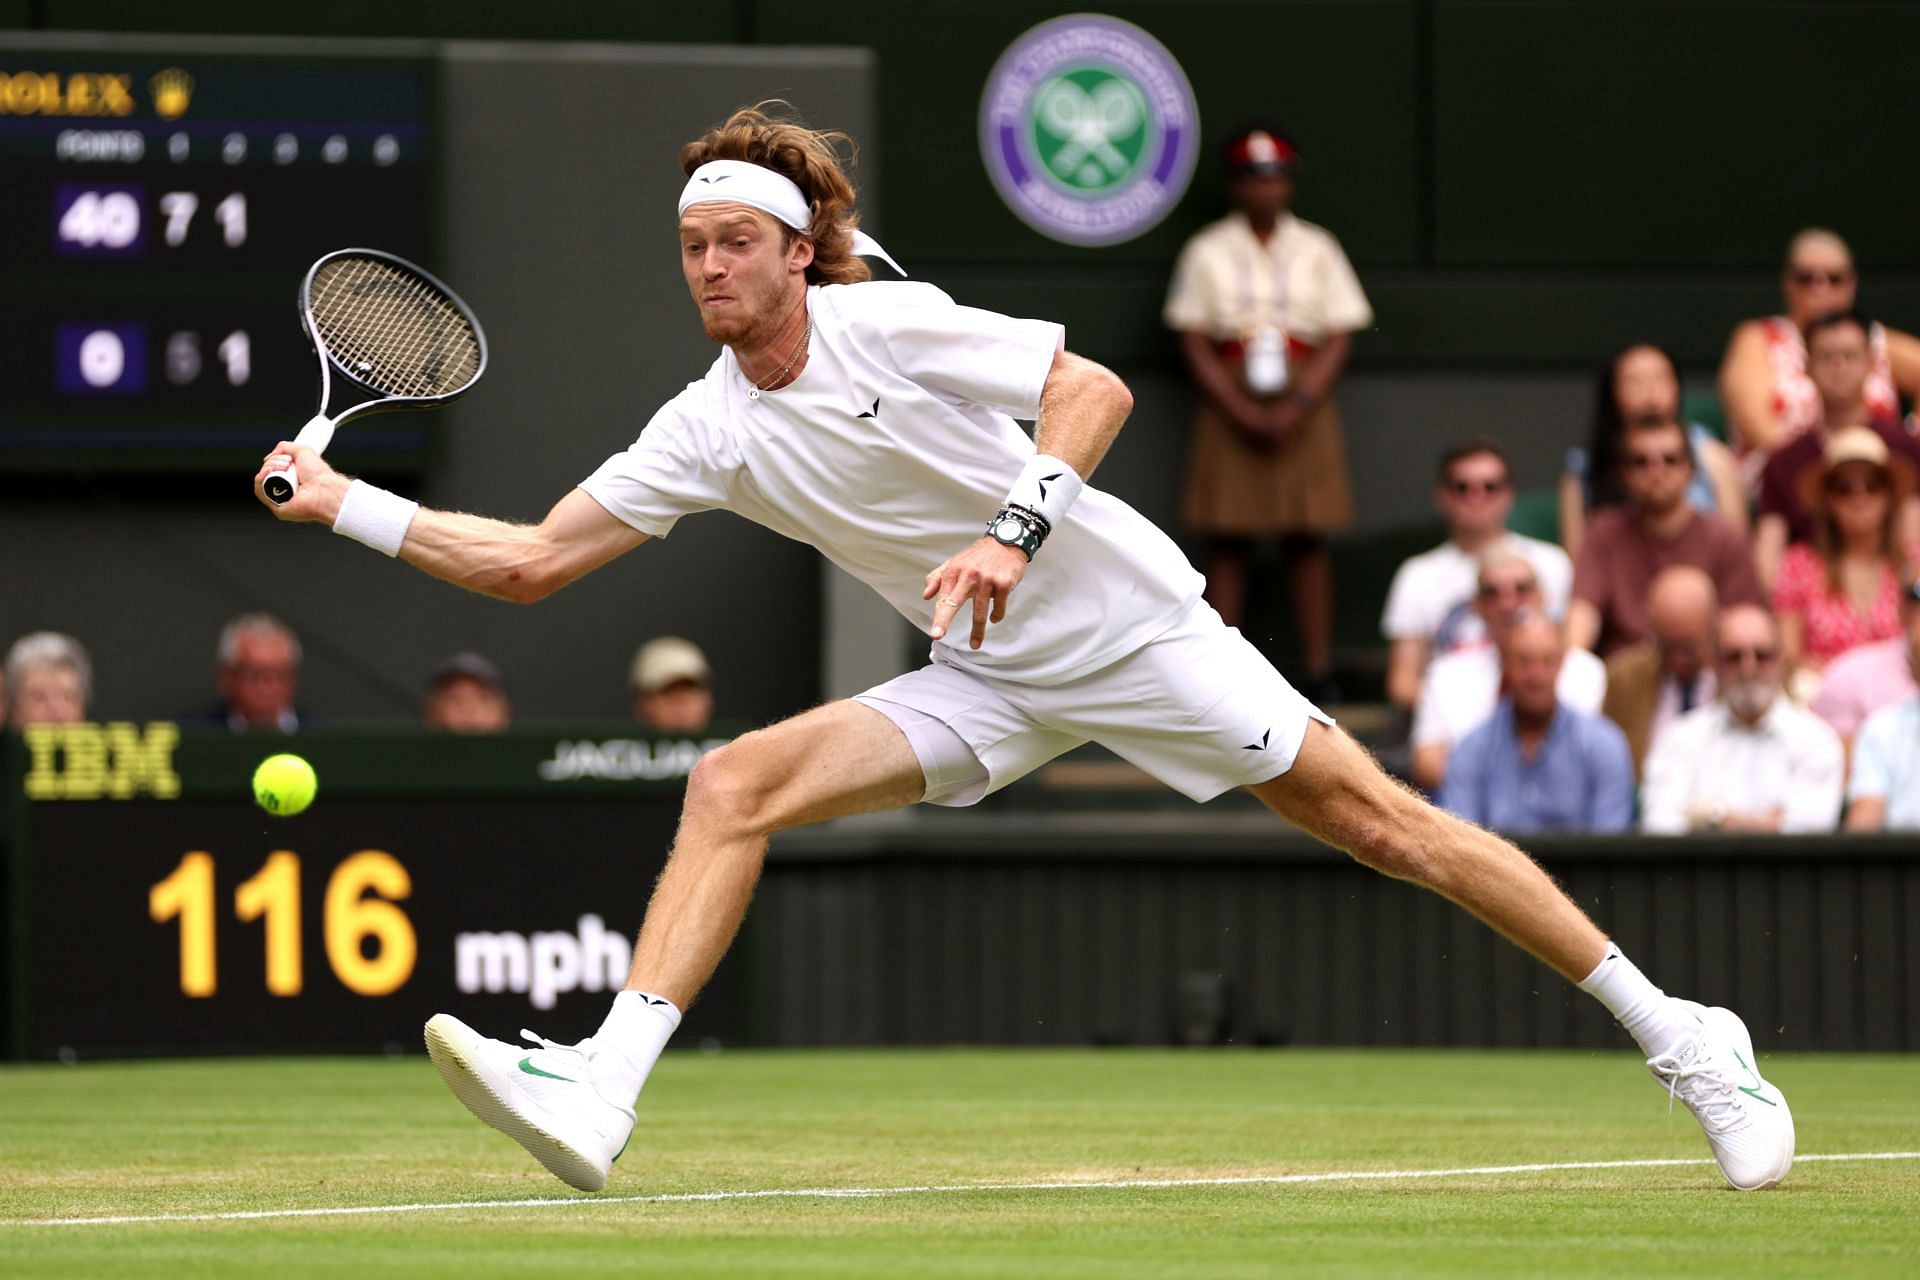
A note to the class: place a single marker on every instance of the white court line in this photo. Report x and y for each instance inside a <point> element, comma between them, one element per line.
<point>868,1193</point>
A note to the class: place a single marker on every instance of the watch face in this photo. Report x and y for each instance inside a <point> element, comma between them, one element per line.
<point>1009,530</point>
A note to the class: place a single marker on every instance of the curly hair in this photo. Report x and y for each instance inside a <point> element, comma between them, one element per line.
<point>812,160</point>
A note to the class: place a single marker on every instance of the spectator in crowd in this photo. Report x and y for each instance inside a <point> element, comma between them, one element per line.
<point>1430,604</point>
<point>51,680</point>
<point>1838,362</point>
<point>1751,761</point>
<point>257,665</point>
<point>1462,688</point>
<point>465,694</point>
<point>1642,382</point>
<point>1266,305</point>
<point>1534,764</point>
<point>1864,679</point>
<point>1885,788</point>
<point>1655,682</point>
<point>672,686</point>
<point>1843,590</point>
<point>1764,384</point>
<point>1626,546</point>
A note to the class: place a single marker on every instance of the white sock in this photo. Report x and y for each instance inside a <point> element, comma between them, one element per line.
<point>636,1030</point>
<point>1653,1018</point>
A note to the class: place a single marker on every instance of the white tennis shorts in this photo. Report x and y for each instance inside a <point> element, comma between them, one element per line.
<point>1197,707</point>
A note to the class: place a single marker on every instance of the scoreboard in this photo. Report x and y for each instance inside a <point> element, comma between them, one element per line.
<point>161,207</point>
<point>147,905</point>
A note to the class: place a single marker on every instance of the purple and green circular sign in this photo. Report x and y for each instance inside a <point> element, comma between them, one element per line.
<point>1089,129</point>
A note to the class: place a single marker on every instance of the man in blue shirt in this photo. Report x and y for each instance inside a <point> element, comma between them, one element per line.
<point>1535,765</point>
<point>1885,788</point>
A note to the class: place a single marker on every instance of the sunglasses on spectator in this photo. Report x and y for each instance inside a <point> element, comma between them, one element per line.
<point>1806,277</point>
<point>1470,488</point>
<point>1759,654</point>
<point>1849,486</point>
<point>1645,461</point>
<point>1494,590</point>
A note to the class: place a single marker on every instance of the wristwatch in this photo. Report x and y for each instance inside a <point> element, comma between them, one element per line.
<point>1019,527</point>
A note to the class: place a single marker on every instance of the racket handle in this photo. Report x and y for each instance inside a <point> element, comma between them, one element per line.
<point>280,486</point>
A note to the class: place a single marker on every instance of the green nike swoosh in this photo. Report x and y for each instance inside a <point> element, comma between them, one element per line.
<point>1754,1092</point>
<point>526,1065</point>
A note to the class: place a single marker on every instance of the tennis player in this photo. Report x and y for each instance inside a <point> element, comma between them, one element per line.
<point>876,422</point>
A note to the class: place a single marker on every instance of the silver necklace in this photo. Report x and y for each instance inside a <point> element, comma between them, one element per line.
<point>798,347</point>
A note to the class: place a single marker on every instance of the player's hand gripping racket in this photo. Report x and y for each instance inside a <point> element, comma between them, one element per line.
<point>381,325</point>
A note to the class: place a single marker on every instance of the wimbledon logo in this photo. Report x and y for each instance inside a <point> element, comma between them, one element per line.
<point>1089,129</point>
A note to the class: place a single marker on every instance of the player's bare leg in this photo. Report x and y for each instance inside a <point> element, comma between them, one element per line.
<point>571,1106</point>
<point>833,761</point>
<point>1336,791</point>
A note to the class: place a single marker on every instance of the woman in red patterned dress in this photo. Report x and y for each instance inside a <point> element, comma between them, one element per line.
<point>1764,387</point>
<point>1844,590</point>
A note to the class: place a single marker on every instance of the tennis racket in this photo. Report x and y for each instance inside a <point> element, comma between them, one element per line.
<point>382,326</point>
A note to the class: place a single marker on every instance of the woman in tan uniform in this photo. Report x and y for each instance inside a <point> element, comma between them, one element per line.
<point>1266,306</point>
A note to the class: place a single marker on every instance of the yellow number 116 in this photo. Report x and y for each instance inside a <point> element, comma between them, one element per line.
<point>351,916</point>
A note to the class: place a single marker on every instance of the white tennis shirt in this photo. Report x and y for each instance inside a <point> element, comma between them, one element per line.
<point>888,454</point>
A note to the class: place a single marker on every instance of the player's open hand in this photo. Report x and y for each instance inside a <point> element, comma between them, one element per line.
<point>321,487</point>
<point>985,573</point>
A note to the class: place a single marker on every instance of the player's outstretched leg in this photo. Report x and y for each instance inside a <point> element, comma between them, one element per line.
<point>571,1106</point>
<point>1336,791</point>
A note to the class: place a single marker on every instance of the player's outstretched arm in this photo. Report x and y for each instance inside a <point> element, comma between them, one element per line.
<point>521,563</point>
<point>518,562</point>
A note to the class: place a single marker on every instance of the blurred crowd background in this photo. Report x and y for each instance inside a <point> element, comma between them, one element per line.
<point>1535,383</point>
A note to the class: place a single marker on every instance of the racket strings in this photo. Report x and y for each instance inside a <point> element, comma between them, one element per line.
<point>392,330</point>
<point>396,328</point>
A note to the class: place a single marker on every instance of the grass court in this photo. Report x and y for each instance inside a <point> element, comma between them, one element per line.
<point>183,1139</point>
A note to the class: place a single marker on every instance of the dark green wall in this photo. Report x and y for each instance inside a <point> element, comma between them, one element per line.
<point>1521,182</point>
<point>1679,135</point>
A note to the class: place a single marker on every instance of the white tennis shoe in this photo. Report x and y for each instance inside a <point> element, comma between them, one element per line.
<point>1746,1119</point>
<point>543,1098</point>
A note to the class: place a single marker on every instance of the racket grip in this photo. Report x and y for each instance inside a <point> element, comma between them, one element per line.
<point>280,486</point>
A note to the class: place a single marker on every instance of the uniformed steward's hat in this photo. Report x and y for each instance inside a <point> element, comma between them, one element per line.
<point>1262,151</point>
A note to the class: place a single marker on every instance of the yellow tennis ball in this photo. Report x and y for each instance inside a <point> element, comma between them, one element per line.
<point>283,785</point>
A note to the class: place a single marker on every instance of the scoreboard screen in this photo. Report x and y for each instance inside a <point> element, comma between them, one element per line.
<point>161,207</point>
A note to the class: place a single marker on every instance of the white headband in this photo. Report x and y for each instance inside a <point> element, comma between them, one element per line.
<point>756,185</point>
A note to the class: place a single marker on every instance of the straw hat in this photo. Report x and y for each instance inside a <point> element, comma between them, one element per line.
<point>1854,444</point>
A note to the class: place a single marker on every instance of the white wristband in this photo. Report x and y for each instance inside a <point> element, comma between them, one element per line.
<point>1047,486</point>
<point>371,515</point>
